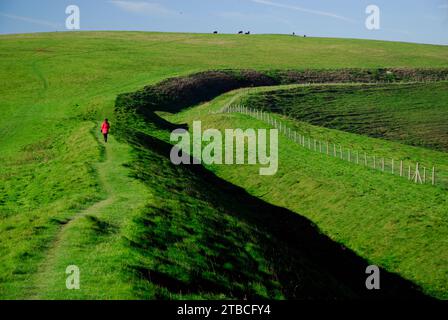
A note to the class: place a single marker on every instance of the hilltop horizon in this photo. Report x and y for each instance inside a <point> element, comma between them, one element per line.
<point>228,34</point>
<point>417,22</point>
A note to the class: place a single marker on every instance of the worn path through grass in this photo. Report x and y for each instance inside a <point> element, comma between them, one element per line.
<point>73,246</point>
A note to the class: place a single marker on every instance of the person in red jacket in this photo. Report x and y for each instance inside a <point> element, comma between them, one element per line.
<point>105,129</point>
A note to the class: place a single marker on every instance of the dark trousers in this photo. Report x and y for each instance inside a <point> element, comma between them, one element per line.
<point>105,137</point>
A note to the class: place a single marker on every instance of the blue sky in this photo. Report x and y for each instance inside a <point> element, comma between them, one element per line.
<point>424,21</point>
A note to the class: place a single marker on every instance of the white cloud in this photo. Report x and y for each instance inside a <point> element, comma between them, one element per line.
<point>142,7</point>
<point>297,8</point>
<point>32,20</point>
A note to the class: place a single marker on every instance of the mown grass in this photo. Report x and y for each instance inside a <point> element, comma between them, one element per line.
<point>387,219</point>
<point>56,87</point>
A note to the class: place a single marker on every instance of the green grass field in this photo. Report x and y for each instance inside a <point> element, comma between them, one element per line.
<point>117,211</point>
<point>414,114</point>
<point>393,222</point>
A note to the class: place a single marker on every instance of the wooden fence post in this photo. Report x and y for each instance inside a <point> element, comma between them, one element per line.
<point>418,178</point>
<point>433,178</point>
<point>401,168</point>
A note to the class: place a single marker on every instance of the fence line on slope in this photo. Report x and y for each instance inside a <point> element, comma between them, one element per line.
<point>414,172</point>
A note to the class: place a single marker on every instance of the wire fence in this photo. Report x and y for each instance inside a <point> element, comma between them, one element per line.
<point>412,171</point>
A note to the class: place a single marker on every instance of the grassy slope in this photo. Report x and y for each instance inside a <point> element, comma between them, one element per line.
<point>202,237</point>
<point>55,89</point>
<point>397,224</point>
<point>415,114</point>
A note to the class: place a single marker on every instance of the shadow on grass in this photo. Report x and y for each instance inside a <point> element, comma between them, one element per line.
<point>218,240</point>
<point>203,237</point>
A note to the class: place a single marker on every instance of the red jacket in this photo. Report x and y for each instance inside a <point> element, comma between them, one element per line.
<point>105,127</point>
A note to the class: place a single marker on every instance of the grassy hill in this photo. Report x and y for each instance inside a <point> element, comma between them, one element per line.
<point>391,221</point>
<point>415,113</point>
<point>65,198</point>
